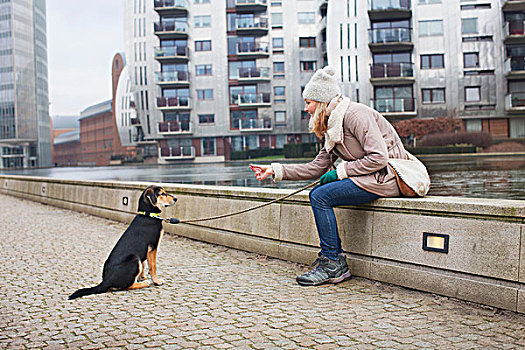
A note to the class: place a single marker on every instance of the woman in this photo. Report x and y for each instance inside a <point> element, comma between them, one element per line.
<point>364,140</point>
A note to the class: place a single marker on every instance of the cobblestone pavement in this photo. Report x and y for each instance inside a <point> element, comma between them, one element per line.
<point>213,298</point>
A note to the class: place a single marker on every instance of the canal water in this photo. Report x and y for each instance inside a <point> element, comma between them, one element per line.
<point>480,177</point>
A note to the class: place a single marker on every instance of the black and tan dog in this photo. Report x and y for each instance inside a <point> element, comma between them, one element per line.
<point>124,268</point>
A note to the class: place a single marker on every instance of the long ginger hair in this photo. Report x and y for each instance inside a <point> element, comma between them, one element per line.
<point>319,121</point>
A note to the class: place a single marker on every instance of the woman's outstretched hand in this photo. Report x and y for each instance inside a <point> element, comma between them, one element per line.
<point>261,171</point>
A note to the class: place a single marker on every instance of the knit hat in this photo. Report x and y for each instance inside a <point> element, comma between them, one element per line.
<point>323,86</point>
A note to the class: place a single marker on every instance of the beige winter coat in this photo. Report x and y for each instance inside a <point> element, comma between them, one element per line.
<point>363,139</point>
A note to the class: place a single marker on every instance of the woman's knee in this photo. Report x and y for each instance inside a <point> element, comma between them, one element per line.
<point>317,197</point>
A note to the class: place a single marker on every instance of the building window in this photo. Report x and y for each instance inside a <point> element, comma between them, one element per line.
<point>202,21</point>
<point>279,94</point>
<point>277,19</point>
<point>203,45</point>
<point>241,68</point>
<point>432,96</point>
<point>432,61</point>
<point>422,2</point>
<point>277,43</point>
<point>308,66</point>
<point>278,69</point>
<point>471,59</point>
<point>306,17</point>
<point>206,119</point>
<point>204,94</point>
<point>472,94</point>
<point>280,118</point>
<point>208,146</point>
<point>469,26</point>
<point>307,42</point>
<point>242,93</point>
<point>202,69</point>
<point>242,118</point>
<point>202,1</point>
<point>473,125</point>
<point>430,28</point>
<point>276,3</point>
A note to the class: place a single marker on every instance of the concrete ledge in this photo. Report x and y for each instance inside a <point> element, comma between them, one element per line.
<point>485,262</point>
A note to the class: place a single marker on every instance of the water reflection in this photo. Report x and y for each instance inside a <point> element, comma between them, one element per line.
<point>489,177</point>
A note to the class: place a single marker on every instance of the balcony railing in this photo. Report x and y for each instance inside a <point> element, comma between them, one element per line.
<point>160,4</point>
<point>380,5</point>
<point>515,27</point>
<point>173,102</point>
<point>173,77</point>
<point>253,99</point>
<point>175,127</point>
<point>252,48</point>
<point>390,35</point>
<point>515,100</point>
<point>171,27</point>
<point>175,51</point>
<point>392,70</point>
<point>396,105</point>
<point>251,23</point>
<point>515,64</point>
<point>250,2</point>
<point>177,152</point>
<point>255,124</point>
<point>254,73</point>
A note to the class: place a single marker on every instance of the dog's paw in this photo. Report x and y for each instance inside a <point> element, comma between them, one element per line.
<point>158,282</point>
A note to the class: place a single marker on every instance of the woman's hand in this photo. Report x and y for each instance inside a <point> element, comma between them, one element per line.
<point>261,171</point>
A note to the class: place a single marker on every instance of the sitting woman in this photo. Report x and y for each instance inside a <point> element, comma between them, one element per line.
<point>364,140</point>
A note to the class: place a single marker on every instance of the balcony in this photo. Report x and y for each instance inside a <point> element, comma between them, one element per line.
<point>390,39</point>
<point>514,6</point>
<point>172,79</point>
<point>171,29</point>
<point>250,5</point>
<point>515,102</point>
<point>514,32</point>
<point>254,75</point>
<point>175,54</point>
<point>175,127</point>
<point>252,26</point>
<point>515,67</point>
<point>254,100</point>
<point>394,107</point>
<point>253,50</point>
<point>173,103</point>
<point>389,9</point>
<point>171,7</point>
<point>175,153</point>
<point>391,74</point>
<point>254,125</point>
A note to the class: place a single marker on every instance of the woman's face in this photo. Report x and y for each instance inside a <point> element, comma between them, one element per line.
<point>310,106</point>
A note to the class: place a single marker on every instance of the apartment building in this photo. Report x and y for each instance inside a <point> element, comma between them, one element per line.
<point>25,136</point>
<point>429,58</point>
<point>213,76</point>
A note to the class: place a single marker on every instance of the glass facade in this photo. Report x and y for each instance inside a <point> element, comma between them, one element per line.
<point>24,103</point>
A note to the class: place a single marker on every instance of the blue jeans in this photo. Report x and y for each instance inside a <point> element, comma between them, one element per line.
<point>323,199</point>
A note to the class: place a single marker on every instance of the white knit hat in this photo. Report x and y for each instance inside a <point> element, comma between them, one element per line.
<point>323,86</point>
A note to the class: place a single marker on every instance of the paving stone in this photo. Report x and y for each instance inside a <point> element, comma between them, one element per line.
<point>213,298</point>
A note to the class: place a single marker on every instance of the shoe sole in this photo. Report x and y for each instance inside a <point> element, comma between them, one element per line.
<point>343,277</point>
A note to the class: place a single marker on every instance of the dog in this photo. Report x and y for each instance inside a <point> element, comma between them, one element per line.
<point>124,269</point>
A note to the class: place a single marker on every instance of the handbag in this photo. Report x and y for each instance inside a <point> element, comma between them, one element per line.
<point>411,175</point>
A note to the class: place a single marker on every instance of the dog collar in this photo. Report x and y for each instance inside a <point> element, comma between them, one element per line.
<point>152,215</point>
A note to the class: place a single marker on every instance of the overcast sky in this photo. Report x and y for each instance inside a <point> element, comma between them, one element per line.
<point>82,38</point>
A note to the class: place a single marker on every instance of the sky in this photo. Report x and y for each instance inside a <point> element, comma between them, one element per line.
<point>82,39</point>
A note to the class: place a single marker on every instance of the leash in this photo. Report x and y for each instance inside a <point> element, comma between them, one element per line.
<point>177,221</point>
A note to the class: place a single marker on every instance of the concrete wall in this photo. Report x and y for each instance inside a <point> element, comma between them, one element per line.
<point>383,241</point>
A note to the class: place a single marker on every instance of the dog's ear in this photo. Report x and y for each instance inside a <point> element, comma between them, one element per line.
<point>151,196</point>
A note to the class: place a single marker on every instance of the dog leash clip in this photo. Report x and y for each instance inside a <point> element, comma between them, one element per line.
<point>172,221</point>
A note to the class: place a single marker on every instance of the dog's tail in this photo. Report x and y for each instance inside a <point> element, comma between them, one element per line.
<point>101,288</point>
